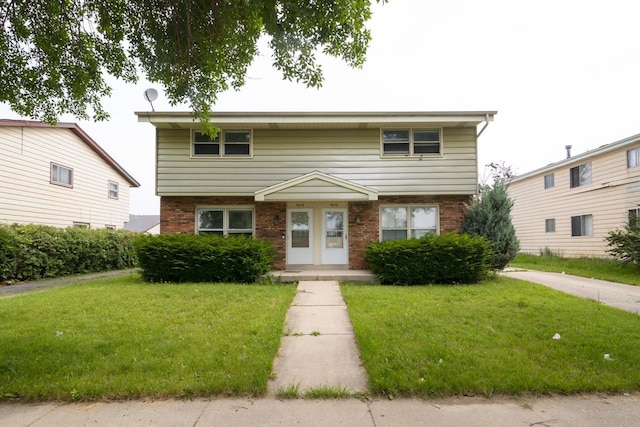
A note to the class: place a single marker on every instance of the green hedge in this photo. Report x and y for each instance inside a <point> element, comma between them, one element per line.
<point>29,252</point>
<point>202,258</point>
<point>446,259</point>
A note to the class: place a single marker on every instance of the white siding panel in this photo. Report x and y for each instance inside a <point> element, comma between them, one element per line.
<point>27,195</point>
<point>350,154</point>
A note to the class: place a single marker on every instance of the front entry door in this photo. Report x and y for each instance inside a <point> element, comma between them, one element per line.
<point>300,239</point>
<point>335,248</point>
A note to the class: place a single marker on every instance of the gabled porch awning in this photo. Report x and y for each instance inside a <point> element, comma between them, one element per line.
<point>316,186</point>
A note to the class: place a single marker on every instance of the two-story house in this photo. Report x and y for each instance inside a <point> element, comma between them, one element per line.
<point>571,206</point>
<point>319,185</point>
<point>59,176</point>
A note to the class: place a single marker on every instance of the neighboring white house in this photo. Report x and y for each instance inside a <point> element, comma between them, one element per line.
<point>571,206</point>
<point>59,176</point>
<point>318,185</point>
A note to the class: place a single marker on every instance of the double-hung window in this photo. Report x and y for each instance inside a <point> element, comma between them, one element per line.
<point>114,190</point>
<point>580,175</point>
<point>633,157</point>
<point>61,175</point>
<point>582,225</point>
<point>411,142</point>
<point>226,221</point>
<point>402,222</point>
<point>549,181</point>
<point>226,143</point>
<point>550,225</point>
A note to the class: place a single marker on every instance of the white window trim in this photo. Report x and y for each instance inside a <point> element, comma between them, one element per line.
<point>411,153</point>
<point>62,184</point>
<point>636,155</point>
<point>117,190</point>
<point>221,155</point>
<point>546,223</point>
<point>553,179</point>
<point>408,207</point>
<point>225,216</point>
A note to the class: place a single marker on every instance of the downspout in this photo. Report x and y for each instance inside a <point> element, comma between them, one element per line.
<point>486,123</point>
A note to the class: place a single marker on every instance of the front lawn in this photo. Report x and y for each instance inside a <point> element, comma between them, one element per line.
<point>123,339</point>
<point>492,338</point>
<point>597,268</point>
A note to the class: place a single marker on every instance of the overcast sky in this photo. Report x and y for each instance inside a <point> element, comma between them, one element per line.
<point>557,71</point>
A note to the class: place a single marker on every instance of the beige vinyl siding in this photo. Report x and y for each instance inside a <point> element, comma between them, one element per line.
<point>27,195</point>
<point>614,189</point>
<point>349,154</point>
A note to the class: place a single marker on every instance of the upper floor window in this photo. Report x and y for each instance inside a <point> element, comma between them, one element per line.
<point>549,181</point>
<point>582,225</point>
<point>411,142</point>
<point>228,143</point>
<point>402,222</point>
<point>113,190</point>
<point>61,175</point>
<point>580,175</point>
<point>233,221</point>
<point>633,157</point>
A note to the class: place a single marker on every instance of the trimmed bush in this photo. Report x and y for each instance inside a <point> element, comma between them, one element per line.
<point>446,259</point>
<point>38,251</point>
<point>202,258</point>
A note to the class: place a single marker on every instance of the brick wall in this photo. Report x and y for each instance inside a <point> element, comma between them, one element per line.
<point>177,215</point>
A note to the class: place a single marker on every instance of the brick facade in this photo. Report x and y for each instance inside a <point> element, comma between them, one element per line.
<point>177,215</point>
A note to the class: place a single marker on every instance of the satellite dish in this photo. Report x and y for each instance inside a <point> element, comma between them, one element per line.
<point>151,95</point>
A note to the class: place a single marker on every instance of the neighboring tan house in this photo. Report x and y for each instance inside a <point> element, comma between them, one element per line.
<point>59,176</point>
<point>149,224</point>
<point>319,185</point>
<point>570,206</point>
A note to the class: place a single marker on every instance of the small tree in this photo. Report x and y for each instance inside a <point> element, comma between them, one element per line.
<point>625,242</point>
<point>490,217</point>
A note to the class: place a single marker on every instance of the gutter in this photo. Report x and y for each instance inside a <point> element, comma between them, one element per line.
<point>486,123</point>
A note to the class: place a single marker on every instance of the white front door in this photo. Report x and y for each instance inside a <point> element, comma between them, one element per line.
<point>300,236</point>
<point>335,248</point>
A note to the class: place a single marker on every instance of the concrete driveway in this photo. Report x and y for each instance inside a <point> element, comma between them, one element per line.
<point>625,297</point>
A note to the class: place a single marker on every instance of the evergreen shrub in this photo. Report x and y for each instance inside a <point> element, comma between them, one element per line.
<point>30,252</point>
<point>445,259</point>
<point>202,258</point>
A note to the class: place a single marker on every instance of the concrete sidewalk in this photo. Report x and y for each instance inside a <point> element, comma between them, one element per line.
<point>618,295</point>
<point>318,349</point>
<point>596,411</point>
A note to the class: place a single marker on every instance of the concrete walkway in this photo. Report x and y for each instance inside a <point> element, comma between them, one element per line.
<point>625,297</point>
<point>318,349</point>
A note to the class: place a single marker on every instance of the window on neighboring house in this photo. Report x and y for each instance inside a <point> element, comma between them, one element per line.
<point>411,142</point>
<point>582,225</point>
<point>549,181</point>
<point>580,175</point>
<point>550,225</point>
<point>113,189</point>
<point>81,224</point>
<point>61,175</point>
<point>633,157</point>
<point>235,143</point>
<point>401,222</point>
<point>235,221</point>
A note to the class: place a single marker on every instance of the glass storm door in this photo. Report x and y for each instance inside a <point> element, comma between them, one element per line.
<point>335,248</point>
<point>300,236</point>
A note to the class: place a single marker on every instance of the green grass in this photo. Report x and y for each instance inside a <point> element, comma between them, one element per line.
<point>123,339</point>
<point>597,268</point>
<point>492,338</point>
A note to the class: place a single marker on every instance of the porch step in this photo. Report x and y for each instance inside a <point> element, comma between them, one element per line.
<point>325,275</point>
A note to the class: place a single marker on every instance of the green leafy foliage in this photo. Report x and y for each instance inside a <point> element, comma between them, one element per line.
<point>446,259</point>
<point>625,242</point>
<point>31,252</point>
<point>490,217</point>
<point>202,258</point>
<point>55,55</point>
